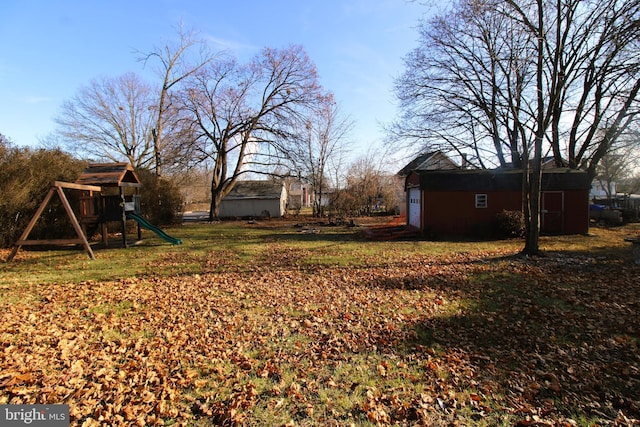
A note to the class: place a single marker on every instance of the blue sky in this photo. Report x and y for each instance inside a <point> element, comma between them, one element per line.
<point>50,48</point>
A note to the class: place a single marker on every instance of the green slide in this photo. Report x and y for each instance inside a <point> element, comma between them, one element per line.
<point>144,223</point>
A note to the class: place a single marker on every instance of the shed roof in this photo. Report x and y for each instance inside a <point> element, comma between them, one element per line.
<point>500,179</point>
<point>428,161</point>
<point>255,190</point>
<point>109,175</point>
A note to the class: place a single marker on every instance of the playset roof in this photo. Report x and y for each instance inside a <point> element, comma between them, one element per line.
<point>109,175</point>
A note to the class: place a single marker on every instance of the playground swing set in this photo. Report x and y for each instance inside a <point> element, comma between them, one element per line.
<point>96,207</point>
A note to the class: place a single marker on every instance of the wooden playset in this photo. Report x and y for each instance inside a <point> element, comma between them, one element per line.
<point>108,192</point>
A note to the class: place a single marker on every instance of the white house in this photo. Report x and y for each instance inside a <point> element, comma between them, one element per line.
<point>299,194</point>
<point>255,199</point>
<point>601,189</point>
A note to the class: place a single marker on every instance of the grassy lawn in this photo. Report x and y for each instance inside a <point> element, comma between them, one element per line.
<point>298,323</point>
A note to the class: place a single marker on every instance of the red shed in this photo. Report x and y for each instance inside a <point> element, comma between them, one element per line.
<point>465,201</point>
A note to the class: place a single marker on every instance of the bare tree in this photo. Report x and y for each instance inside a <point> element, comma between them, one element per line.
<point>466,87</point>
<point>587,69</point>
<point>243,115</point>
<point>630,185</point>
<point>611,169</point>
<point>367,186</point>
<point>109,118</point>
<point>533,20</point>
<point>175,63</point>
<point>319,145</point>
<point>617,167</point>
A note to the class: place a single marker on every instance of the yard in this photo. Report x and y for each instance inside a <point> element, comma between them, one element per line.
<point>274,323</point>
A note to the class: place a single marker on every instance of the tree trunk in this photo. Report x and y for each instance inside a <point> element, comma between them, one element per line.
<point>532,240</point>
<point>320,206</point>
<point>216,199</point>
<point>531,246</point>
<point>157,132</point>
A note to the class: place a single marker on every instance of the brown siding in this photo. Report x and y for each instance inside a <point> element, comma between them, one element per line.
<point>576,216</point>
<point>448,200</point>
<point>454,212</point>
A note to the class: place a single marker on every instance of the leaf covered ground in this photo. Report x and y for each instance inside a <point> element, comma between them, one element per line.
<point>473,337</point>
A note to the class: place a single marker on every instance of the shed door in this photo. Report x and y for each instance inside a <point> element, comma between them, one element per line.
<point>552,212</point>
<point>414,207</point>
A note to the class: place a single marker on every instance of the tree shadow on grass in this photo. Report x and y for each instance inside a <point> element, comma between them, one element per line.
<point>555,336</point>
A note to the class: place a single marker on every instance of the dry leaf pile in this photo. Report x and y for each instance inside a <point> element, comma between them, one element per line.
<point>408,340</point>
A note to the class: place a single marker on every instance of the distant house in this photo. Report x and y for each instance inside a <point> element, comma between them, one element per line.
<point>255,199</point>
<point>465,201</point>
<point>299,194</point>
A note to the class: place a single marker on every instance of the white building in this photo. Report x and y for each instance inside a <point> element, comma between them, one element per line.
<point>255,199</point>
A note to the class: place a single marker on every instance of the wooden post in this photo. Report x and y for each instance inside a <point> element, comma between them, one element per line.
<point>56,187</point>
<point>124,218</point>
<point>136,205</point>
<point>105,233</point>
<point>32,223</point>
<point>74,221</point>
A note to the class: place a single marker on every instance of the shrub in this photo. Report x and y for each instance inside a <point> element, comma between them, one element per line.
<point>510,224</point>
<point>160,199</point>
<point>25,178</point>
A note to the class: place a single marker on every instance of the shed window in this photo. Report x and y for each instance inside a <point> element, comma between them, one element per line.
<point>481,200</point>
